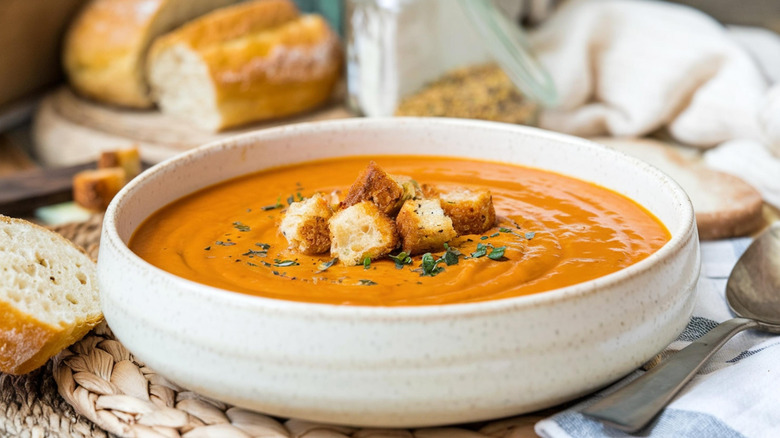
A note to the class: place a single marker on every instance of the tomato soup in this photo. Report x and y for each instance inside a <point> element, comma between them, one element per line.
<point>557,231</point>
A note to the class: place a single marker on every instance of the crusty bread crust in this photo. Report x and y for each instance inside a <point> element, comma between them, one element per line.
<point>257,60</point>
<point>105,47</point>
<point>26,342</point>
<point>375,185</point>
<point>423,226</point>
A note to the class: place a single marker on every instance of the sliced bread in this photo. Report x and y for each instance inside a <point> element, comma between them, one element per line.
<point>105,48</point>
<point>252,61</point>
<point>48,295</point>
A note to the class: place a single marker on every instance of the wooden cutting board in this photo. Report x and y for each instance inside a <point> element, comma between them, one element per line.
<point>725,205</point>
<point>68,129</point>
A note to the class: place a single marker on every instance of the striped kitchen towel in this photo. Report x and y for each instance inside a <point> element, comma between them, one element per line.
<point>735,394</point>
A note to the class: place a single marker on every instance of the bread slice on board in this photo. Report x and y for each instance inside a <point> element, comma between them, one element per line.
<point>725,205</point>
<point>105,48</point>
<point>253,61</point>
<point>48,295</point>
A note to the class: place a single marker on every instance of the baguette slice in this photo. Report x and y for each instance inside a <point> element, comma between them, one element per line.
<point>48,295</point>
<point>253,61</point>
<point>105,48</point>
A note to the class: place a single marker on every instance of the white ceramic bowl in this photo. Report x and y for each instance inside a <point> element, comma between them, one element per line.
<point>399,366</point>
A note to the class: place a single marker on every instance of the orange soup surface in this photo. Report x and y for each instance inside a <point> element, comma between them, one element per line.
<point>558,231</point>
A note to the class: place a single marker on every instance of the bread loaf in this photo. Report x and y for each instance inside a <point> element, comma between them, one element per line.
<point>252,61</point>
<point>105,48</point>
<point>48,295</point>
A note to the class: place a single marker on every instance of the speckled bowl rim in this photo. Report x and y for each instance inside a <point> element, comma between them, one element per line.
<point>680,236</point>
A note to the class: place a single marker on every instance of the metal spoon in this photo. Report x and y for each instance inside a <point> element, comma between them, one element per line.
<point>753,293</point>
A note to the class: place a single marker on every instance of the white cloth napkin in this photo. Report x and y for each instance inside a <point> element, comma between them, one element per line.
<point>633,67</point>
<point>735,394</point>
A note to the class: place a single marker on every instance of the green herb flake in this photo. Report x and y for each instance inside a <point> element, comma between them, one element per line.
<point>251,253</point>
<point>251,264</point>
<point>430,266</point>
<point>290,200</point>
<point>208,248</point>
<point>530,235</point>
<point>494,235</point>
<point>324,266</point>
<point>265,246</point>
<point>367,283</point>
<point>483,238</point>
<point>401,260</point>
<point>241,227</point>
<point>285,263</point>
<point>274,206</point>
<point>505,230</point>
<point>300,197</point>
<point>451,255</point>
<point>497,253</point>
<point>221,243</point>
<point>367,263</point>
<point>480,252</point>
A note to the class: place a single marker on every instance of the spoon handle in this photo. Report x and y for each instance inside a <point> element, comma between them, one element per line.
<point>633,406</point>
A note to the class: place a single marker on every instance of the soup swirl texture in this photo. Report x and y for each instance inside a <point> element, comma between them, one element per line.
<point>557,231</point>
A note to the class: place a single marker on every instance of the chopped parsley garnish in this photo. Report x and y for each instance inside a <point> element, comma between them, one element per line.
<point>208,248</point>
<point>401,260</point>
<point>451,256</point>
<point>300,197</point>
<point>530,235</point>
<point>284,263</point>
<point>251,253</point>
<point>430,266</point>
<point>241,227</point>
<point>497,253</point>
<point>265,246</point>
<point>505,230</point>
<point>483,238</point>
<point>290,200</point>
<point>274,206</point>
<point>251,264</point>
<point>324,267</point>
<point>366,262</point>
<point>367,283</point>
<point>480,252</point>
<point>494,235</point>
<point>221,243</point>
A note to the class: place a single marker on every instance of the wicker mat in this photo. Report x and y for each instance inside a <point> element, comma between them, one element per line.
<point>96,388</point>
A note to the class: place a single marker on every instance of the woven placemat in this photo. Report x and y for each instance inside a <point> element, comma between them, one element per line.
<point>105,391</point>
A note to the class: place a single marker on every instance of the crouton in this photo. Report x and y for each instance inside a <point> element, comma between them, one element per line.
<point>472,212</point>
<point>128,159</point>
<point>361,231</point>
<point>94,189</point>
<point>375,185</point>
<point>305,225</point>
<point>423,226</point>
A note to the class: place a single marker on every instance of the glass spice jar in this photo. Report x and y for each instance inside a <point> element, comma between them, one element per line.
<point>442,58</point>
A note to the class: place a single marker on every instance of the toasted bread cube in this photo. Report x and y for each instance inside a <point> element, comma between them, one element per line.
<point>361,231</point>
<point>128,159</point>
<point>472,212</point>
<point>305,225</point>
<point>375,185</point>
<point>423,226</point>
<point>94,189</point>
